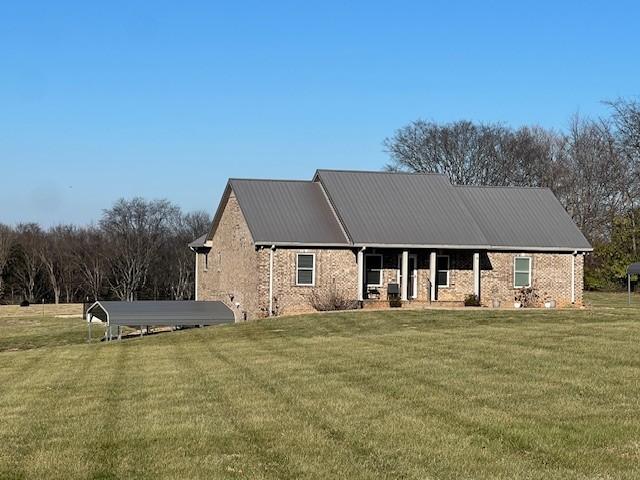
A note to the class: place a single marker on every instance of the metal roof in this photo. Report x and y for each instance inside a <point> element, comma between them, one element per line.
<point>389,208</point>
<point>514,217</point>
<point>199,242</point>
<point>286,211</point>
<point>633,269</point>
<point>164,312</point>
<point>403,210</point>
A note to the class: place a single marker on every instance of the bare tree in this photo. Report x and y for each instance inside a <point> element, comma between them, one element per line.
<point>55,257</point>
<point>27,265</point>
<point>594,173</point>
<point>134,229</point>
<point>89,258</point>
<point>626,124</point>
<point>7,238</point>
<point>182,273</point>
<point>468,153</point>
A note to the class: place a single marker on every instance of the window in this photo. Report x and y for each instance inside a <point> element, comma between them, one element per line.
<point>522,272</point>
<point>442,271</point>
<point>373,273</point>
<point>206,261</point>
<point>305,269</point>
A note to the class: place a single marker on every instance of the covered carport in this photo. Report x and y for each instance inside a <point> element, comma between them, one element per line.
<point>164,313</point>
<point>633,269</point>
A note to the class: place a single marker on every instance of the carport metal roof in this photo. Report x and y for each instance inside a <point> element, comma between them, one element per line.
<point>162,313</point>
<point>633,269</point>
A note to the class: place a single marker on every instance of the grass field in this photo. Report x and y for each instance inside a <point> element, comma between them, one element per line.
<point>435,394</point>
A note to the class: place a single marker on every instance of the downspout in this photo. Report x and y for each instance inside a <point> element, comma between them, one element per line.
<point>196,277</point>
<point>271,250</point>
<point>573,276</point>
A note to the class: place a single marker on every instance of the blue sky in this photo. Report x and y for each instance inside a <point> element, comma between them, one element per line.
<point>101,100</point>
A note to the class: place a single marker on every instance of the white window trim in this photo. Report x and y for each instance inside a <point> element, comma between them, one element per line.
<point>313,270</point>
<point>447,270</point>
<point>415,273</point>
<point>366,256</point>
<point>530,272</point>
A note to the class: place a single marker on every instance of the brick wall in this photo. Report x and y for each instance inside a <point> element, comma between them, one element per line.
<point>335,269</point>
<point>551,276</point>
<point>232,273</point>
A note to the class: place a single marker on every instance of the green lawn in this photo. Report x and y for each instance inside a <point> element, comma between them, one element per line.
<point>435,394</point>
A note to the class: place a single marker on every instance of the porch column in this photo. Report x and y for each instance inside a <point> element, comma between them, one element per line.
<point>404,276</point>
<point>360,263</point>
<point>433,267</point>
<point>476,274</point>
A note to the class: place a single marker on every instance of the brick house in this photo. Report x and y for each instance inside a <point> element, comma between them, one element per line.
<point>364,235</point>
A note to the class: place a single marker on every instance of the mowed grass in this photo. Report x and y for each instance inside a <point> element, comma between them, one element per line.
<point>429,394</point>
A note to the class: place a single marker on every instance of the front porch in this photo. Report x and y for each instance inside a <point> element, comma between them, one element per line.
<point>417,277</point>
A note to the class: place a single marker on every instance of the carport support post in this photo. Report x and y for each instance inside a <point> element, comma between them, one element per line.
<point>629,286</point>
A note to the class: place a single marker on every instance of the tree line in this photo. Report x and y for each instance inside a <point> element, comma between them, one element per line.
<point>592,166</point>
<point>138,250</point>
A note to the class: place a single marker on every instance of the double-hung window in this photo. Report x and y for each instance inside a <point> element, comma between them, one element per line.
<point>522,272</point>
<point>373,272</point>
<point>442,270</point>
<point>305,269</point>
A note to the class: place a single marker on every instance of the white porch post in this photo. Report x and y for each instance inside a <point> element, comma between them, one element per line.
<point>404,276</point>
<point>433,267</point>
<point>476,274</point>
<point>360,274</point>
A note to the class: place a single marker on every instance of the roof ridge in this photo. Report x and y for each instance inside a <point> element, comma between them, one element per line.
<point>379,172</point>
<point>233,179</point>
<point>503,186</point>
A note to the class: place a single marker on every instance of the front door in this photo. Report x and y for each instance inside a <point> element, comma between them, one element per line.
<point>412,287</point>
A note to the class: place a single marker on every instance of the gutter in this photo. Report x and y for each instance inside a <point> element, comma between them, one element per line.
<point>425,246</point>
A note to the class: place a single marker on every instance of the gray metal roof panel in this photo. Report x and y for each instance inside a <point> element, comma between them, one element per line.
<point>285,211</point>
<point>400,208</point>
<point>164,312</point>
<point>199,242</point>
<point>522,217</point>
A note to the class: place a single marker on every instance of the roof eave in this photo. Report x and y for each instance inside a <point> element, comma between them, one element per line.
<point>474,247</point>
